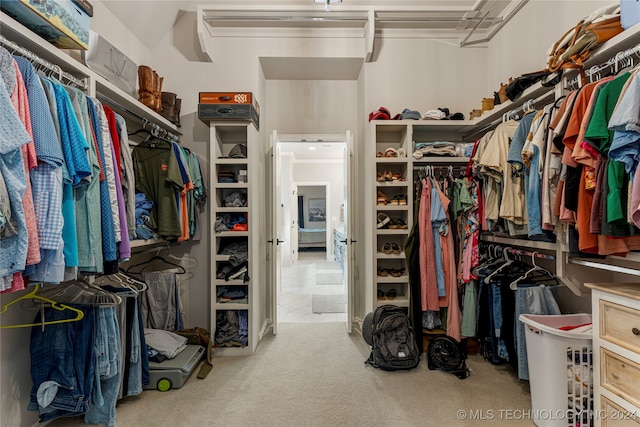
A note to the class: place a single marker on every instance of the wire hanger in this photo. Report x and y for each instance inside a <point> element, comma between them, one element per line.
<point>33,295</point>
<point>150,260</point>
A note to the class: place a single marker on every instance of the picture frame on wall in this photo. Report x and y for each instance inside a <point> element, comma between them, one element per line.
<point>317,210</point>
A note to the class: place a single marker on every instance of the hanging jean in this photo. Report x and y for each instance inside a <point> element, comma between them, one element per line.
<point>530,299</point>
<point>501,347</point>
<point>108,369</point>
<point>62,364</point>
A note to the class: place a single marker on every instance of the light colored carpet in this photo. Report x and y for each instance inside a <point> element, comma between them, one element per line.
<point>329,277</point>
<point>313,374</point>
<point>327,303</point>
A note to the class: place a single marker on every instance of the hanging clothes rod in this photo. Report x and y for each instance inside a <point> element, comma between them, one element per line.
<point>601,266</point>
<point>155,129</point>
<point>521,252</point>
<point>624,56</point>
<point>62,75</point>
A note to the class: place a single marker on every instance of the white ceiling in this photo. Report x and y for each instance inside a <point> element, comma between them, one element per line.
<point>468,21</point>
<point>313,149</point>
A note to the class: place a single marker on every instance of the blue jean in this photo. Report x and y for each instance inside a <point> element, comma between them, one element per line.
<point>108,372</point>
<point>500,346</point>
<point>533,193</point>
<point>437,252</point>
<point>62,364</point>
<point>135,359</point>
<point>530,300</point>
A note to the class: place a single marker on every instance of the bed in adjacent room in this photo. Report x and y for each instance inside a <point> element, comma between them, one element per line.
<point>312,238</point>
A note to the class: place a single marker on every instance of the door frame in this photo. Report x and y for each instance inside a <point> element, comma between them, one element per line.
<point>273,284</point>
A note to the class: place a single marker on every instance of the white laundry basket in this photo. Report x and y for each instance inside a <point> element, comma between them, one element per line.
<point>560,369</point>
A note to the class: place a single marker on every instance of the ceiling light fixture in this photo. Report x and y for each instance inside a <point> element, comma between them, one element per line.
<point>311,147</point>
<point>327,3</point>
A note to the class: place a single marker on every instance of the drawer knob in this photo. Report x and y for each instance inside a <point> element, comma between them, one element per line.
<point>635,331</point>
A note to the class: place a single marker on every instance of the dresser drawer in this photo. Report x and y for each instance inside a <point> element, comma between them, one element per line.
<point>620,325</point>
<point>613,415</point>
<point>620,376</point>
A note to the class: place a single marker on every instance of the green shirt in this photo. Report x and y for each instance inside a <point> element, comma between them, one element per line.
<point>601,137</point>
<point>158,177</point>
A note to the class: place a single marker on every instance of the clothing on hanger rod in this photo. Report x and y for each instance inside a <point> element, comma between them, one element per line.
<point>61,75</point>
<point>624,58</point>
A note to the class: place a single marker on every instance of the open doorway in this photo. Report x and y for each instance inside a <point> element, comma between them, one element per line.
<point>311,179</point>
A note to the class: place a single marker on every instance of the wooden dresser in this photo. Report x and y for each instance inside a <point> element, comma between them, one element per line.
<point>616,350</point>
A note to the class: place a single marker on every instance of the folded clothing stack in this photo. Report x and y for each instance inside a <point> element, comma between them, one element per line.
<point>226,176</point>
<point>436,148</point>
<point>232,294</point>
<point>231,222</point>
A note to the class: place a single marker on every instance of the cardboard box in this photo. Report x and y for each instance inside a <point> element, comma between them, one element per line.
<point>226,98</point>
<point>215,112</point>
<point>62,23</point>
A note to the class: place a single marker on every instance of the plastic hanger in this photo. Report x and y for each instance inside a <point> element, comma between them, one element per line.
<point>80,291</point>
<point>535,268</point>
<point>142,286</point>
<point>508,262</point>
<point>33,295</point>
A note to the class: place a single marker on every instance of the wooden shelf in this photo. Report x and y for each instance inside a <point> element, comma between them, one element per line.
<point>443,159</point>
<point>400,256</point>
<point>391,160</point>
<point>231,306</point>
<point>231,233</point>
<point>241,185</point>
<point>242,209</point>
<point>391,279</point>
<point>523,243</point>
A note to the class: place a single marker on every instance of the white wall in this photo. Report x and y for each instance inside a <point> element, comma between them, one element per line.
<point>423,74</point>
<point>522,45</point>
<point>325,171</point>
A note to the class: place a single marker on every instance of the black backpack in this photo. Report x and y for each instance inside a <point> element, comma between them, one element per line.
<point>390,334</point>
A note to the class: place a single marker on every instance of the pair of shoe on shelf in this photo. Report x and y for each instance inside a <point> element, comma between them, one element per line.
<point>391,248</point>
<point>387,175</point>
<point>397,200</point>
<point>385,272</point>
<point>392,152</point>
<point>385,222</point>
<point>388,295</point>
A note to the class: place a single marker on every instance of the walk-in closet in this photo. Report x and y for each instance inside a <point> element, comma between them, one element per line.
<point>340,212</point>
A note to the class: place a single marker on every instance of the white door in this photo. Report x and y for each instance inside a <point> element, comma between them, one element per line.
<point>275,239</point>
<point>347,278</point>
<point>293,247</point>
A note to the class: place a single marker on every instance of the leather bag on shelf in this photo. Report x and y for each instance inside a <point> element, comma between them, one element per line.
<point>106,60</point>
<point>579,42</point>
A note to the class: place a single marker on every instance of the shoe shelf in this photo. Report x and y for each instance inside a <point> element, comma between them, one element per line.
<point>391,207</point>
<point>390,279</point>
<point>234,155</point>
<point>391,157</point>
<point>382,255</point>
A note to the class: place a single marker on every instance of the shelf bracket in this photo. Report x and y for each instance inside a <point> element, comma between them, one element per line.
<point>204,35</point>
<point>561,272</point>
<point>370,36</point>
